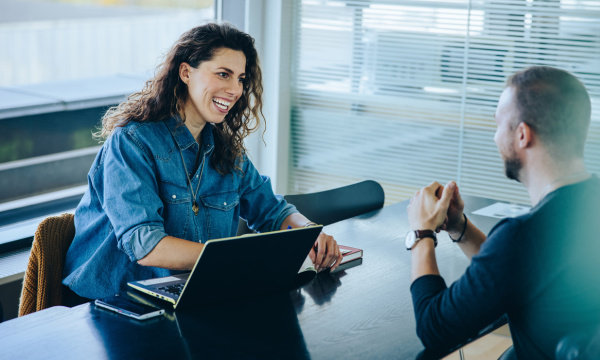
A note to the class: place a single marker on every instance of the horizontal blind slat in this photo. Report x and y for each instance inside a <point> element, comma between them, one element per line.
<point>382,88</point>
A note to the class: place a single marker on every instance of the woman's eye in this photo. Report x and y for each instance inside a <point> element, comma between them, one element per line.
<point>224,75</point>
<point>242,80</point>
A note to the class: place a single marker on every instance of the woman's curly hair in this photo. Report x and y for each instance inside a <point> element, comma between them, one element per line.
<point>164,95</point>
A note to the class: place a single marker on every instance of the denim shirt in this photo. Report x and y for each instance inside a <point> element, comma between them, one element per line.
<point>138,194</point>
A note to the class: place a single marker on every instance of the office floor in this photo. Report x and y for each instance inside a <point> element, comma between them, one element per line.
<point>489,347</point>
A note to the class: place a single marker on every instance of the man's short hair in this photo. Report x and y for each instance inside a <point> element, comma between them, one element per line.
<point>556,105</point>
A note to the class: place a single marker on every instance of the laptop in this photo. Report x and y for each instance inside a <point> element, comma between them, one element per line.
<point>236,267</point>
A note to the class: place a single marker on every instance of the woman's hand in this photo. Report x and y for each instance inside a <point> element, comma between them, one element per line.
<point>326,253</point>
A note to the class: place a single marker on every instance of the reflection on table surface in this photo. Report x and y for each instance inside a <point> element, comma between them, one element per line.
<point>362,312</point>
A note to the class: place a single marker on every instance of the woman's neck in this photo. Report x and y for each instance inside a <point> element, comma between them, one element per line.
<point>195,129</point>
<point>193,121</point>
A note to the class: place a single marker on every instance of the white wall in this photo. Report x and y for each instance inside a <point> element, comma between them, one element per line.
<point>269,22</point>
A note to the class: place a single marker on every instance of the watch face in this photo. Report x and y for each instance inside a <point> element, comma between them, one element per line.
<point>411,238</point>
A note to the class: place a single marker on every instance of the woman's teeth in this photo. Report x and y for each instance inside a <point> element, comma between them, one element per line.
<point>222,104</point>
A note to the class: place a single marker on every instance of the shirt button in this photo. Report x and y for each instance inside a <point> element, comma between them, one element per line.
<point>174,196</point>
<point>225,203</point>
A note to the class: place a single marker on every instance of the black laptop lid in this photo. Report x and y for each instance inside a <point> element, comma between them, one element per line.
<point>245,266</point>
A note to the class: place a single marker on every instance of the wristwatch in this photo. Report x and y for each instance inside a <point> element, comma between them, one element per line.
<point>413,236</point>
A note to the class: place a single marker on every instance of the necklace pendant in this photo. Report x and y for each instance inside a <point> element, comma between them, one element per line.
<point>195,208</point>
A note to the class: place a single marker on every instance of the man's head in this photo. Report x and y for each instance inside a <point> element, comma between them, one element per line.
<point>554,106</point>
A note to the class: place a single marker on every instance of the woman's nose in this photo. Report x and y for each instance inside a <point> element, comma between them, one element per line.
<point>235,88</point>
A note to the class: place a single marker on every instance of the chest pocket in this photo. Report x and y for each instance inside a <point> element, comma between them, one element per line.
<point>221,213</point>
<point>174,194</point>
<point>177,203</point>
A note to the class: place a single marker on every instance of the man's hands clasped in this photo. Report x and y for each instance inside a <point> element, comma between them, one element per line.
<point>437,207</point>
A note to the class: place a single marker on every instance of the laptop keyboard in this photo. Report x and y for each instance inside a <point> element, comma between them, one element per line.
<point>173,289</point>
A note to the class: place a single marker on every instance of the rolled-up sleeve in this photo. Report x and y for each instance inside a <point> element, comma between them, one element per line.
<point>131,199</point>
<point>286,211</point>
<point>259,206</point>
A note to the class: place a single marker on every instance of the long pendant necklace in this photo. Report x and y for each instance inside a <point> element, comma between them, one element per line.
<point>195,207</point>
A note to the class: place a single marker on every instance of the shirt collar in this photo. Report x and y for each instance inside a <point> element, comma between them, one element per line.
<point>184,138</point>
<point>553,193</point>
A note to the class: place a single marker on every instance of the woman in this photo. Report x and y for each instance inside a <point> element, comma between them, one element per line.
<point>173,172</point>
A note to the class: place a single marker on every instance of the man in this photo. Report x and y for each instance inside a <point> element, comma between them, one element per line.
<point>541,269</point>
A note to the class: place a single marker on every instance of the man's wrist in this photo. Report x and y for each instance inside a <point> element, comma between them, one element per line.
<point>413,237</point>
<point>426,242</point>
<point>457,234</point>
<point>423,226</point>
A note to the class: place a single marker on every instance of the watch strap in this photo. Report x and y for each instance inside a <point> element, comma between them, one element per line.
<point>421,234</point>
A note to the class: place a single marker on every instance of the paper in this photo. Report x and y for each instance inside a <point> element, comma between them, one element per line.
<point>502,210</point>
<point>307,265</point>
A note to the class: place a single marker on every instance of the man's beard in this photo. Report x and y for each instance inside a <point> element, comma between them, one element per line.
<point>512,167</point>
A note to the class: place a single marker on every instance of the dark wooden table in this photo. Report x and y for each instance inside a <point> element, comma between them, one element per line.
<point>364,312</point>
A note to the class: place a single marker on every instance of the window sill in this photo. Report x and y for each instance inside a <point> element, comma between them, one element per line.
<point>13,265</point>
<point>21,222</point>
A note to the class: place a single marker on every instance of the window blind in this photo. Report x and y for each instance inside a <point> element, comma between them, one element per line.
<point>404,92</point>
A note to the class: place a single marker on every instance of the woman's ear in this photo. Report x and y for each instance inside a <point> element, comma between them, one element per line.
<point>184,72</point>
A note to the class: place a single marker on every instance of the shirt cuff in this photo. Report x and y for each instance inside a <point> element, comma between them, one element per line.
<point>142,240</point>
<point>288,210</point>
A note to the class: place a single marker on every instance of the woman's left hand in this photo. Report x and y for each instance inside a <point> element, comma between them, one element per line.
<point>326,253</point>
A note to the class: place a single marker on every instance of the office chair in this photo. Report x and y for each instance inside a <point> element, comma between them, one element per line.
<point>42,286</point>
<point>508,354</point>
<point>579,346</point>
<point>329,206</point>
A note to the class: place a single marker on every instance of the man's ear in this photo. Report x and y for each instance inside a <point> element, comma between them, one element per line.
<point>524,136</point>
<point>184,72</point>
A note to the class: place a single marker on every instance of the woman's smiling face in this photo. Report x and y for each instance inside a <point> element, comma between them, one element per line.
<point>213,87</point>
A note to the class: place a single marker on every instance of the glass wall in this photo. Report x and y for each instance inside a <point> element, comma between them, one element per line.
<point>404,92</point>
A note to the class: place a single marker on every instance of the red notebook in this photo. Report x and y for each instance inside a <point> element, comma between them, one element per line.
<point>350,257</point>
<point>350,253</point>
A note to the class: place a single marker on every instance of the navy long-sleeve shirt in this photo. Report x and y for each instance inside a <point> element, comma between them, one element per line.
<point>542,269</point>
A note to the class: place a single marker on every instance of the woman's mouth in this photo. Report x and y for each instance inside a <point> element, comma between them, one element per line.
<point>221,104</point>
